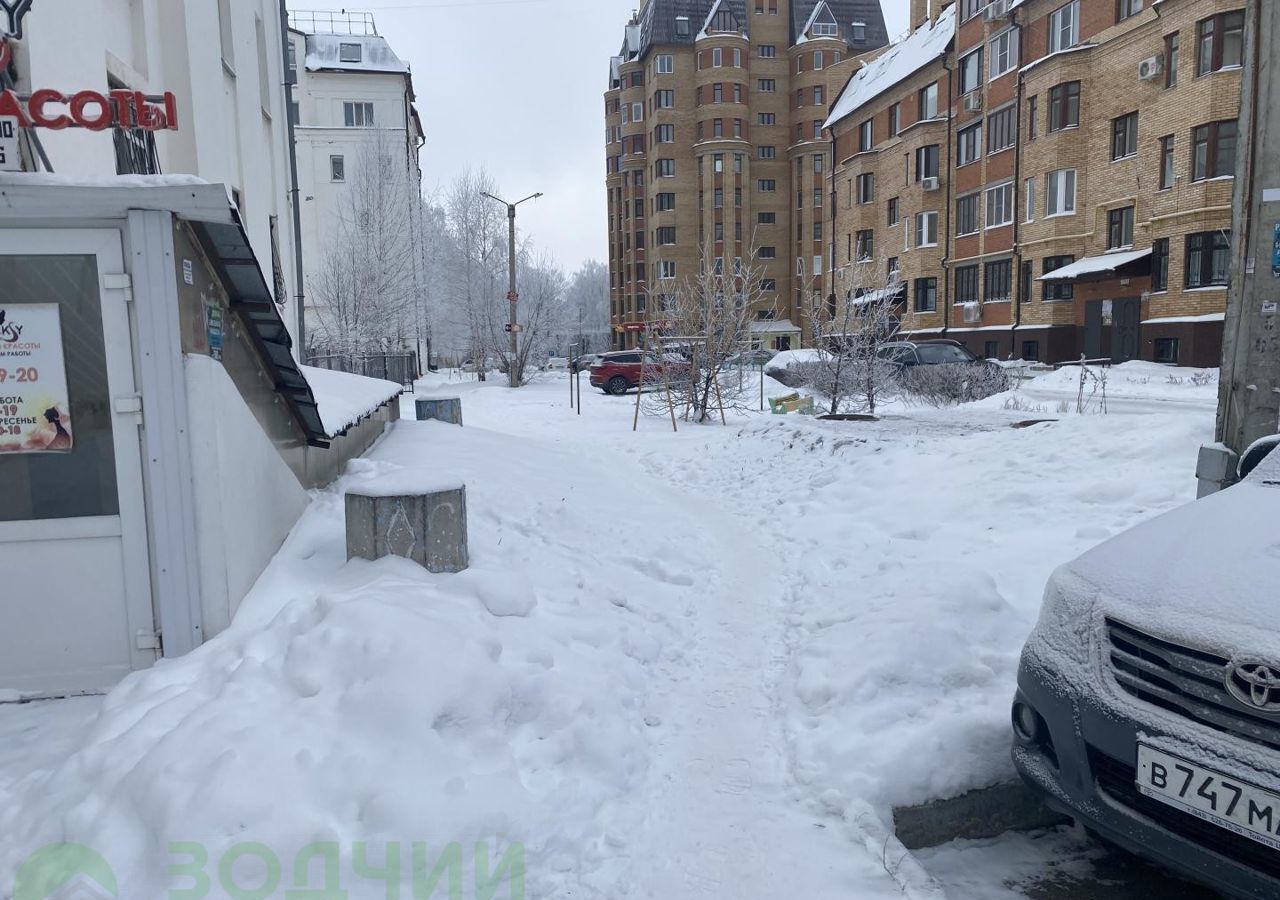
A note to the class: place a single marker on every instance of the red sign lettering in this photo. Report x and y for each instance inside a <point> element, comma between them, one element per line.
<point>91,109</point>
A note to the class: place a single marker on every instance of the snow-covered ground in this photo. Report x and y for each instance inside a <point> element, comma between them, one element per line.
<point>706,663</point>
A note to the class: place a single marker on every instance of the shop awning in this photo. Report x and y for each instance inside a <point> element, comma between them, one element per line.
<point>1098,266</point>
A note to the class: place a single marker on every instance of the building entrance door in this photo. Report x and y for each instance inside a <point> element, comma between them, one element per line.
<point>75,587</point>
<point>1112,329</point>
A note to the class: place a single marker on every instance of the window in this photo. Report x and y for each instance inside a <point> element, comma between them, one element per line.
<point>817,163</point>
<point>1029,193</point>
<point>817,231</point>
<point>1171,60</point>
<point>998,281</point>
<point>1031,351</point>
<point>767,218</point>
<point>865,245</point>
<point>1058,290</point>
<point>1207,259</point>
<point>666,270</point>
<point>1166,350</point>
<point>717,202</point>
<point>927,162</point>
<point>1160,265</point>
<point>1221,42</point>
<point>895,119</point>
<point>1120,228</point>
<point>637,112</point>
<point>664,99</point>
<point>291,63</point>
<point>969,9</point>
<point>865,136</point>
<point>971,72</point>
<point>737,57</point>
<point>337,168</point>
<point>664,134</point>
<point>966,281</point>
<point>767,185</point>
<point>717,57</point>
<point>1033,117</point>
<point>1004,53</point>
<point>967,215</point>
<point>817,95</point>
<point>768,284</point>
<point>350,53</point>
<point>928,99</point>
<point>666,168</point>
<point>768,118</point>
<point>1060,193</point>
<point>717,163</point>
<point>1124,136</point>
<point>858,35</point>
<point>665,236</point>
<point>717,93</point>
<point>1166,162</point>
<point>1000,205</point>
<point>817,60</point>
<point>665,202</point>
<point>927,229</point>
<point>825,29</point>
<point>866,187</point>
<point>768,152</point>
<point>926,295</point>
<point>991,350</point>
<point>1213,150</point>
<point>666,64</point>
<point>1064,27</point>
<point>682,26</point>
<point>768,51</point>
<point>1002,129</point>
<point>892,269</point>
<point>737,198</point>
<point>1064,106</point>
<point>1127,8</point>
<point>1024,289</point>
<point>225,35</point>
<point>969,145</point>
<point>357,115</point>
<point>766,85</point>
<point>893,211</point>
<point>737,128</point>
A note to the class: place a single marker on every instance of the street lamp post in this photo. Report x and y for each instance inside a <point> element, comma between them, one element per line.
<point>512,296</point>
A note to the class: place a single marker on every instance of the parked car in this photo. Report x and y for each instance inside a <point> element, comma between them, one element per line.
<point>1148,702</point>
<point>915,361</point>
<point>750,359</point>
<point>557,364</point>
<point>623,370</point>
<point>583,362</point>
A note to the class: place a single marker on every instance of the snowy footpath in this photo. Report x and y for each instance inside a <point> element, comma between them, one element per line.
<point>703,664</point>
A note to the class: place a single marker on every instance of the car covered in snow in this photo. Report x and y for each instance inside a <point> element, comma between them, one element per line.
<point>1148,702</point>
<point>750,359</point>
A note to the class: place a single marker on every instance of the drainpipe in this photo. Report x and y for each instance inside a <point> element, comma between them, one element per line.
<point>1015,276</point>
<point>299,295</point>
<point>945,292</point>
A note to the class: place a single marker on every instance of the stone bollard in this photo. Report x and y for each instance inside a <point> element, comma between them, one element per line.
<point>429,528</point>
<point>445,409</point>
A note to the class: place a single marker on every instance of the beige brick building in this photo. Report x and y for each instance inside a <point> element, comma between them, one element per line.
<point>715,150</point>
<point>1088,152</point>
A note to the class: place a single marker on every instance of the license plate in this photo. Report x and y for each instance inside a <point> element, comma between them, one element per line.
<point>1225,801</point>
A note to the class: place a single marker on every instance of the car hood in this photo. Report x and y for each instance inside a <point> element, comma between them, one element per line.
<point>1205,574</point>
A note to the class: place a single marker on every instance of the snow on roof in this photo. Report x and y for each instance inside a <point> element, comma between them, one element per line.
<point>1075,48</point>
<point>50,179</point>
<point>773,326</point>
<point>896,64</point>
<point>324,53</point>
<point>1093,265</point>
<point>344,399</point>
<point>892,292</point>
<point>1172,320</point>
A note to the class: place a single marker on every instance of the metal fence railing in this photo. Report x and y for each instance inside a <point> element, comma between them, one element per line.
<point>328,21</point>
<point>402,368</point>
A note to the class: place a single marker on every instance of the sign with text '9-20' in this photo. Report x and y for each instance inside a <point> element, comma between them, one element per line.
<point>35,409</point>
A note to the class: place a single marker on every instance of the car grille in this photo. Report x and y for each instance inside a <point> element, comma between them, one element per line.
<point>1118,781</point>
<point>1189,682</point>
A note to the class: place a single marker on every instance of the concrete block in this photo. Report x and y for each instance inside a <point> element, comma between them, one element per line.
<point>444,409</point>
<point>429,528</point>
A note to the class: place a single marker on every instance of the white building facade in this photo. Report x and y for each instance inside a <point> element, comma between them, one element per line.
<point>351,92</point>
<point>223,60</point>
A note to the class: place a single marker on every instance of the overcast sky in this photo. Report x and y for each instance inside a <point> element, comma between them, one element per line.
<point>516,87</point>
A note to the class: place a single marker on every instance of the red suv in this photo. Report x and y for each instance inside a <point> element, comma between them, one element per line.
<point>619,372</point>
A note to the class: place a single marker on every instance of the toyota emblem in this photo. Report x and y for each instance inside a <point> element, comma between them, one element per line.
<point>1255,684</point>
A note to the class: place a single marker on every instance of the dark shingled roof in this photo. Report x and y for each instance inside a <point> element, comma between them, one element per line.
<point>846,13</point>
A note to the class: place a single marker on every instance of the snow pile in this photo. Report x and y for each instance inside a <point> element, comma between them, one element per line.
<point>345,399</point>
<point>1131,387</point>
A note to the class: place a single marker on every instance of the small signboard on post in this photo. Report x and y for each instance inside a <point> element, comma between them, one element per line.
<point>10,158</point>
<point>512,296</point>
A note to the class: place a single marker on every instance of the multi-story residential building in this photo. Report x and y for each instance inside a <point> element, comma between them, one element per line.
<point>715,151</point>
<point>1087,154</point>
<point>353,100</point>
<point>222,61</point>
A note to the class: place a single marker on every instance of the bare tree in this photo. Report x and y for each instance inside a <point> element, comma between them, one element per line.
<point>366,289</point>
<point>543,316</point>
<point>850,329</point>
<point>588,306</point>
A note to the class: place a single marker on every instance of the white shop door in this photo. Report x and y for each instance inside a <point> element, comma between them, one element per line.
<point>75,589</point>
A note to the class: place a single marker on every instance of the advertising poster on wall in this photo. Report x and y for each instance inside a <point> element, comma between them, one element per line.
<point>35,409</point>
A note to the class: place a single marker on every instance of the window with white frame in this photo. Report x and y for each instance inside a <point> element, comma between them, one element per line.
<point>866,136</point>
<point>637,112</point>
<point>1003,53</point>
<point>1064,27</point>
<point>927,229</point>
<point>817,60</point>
<point>971,71</point>
<point>717,58</point>
<point>1060,193</point>
<point>350,53</point>
<point>666,64</point>
<point>666,269</point>
<point>357,115</point>
<point>825,29</point>
<point>1000,205</point>
<point>337,168</point>
<point>1030,194</point>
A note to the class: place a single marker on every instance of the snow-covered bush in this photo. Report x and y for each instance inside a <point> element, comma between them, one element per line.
<point>952,383</point>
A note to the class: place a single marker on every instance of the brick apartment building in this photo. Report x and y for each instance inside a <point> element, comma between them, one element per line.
<point>715,115</point>
<point>1049,178</point>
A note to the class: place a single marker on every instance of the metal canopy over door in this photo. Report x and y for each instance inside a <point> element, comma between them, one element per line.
<point>75,590</point>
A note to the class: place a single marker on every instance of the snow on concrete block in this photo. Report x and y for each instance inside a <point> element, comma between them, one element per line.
<point>444,409</point>
<point>428,527</point>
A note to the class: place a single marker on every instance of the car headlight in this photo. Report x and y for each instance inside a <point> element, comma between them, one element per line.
<point>1067,632</point>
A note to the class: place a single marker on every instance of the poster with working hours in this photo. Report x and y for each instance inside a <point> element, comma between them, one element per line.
<point>35,411</point>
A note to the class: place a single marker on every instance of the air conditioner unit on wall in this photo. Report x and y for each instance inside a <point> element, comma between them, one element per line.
<point>973,100</point>
<point>997,9</point>
<point>972,313</point>
<point>929,184</point>
<point>1150,67</point>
